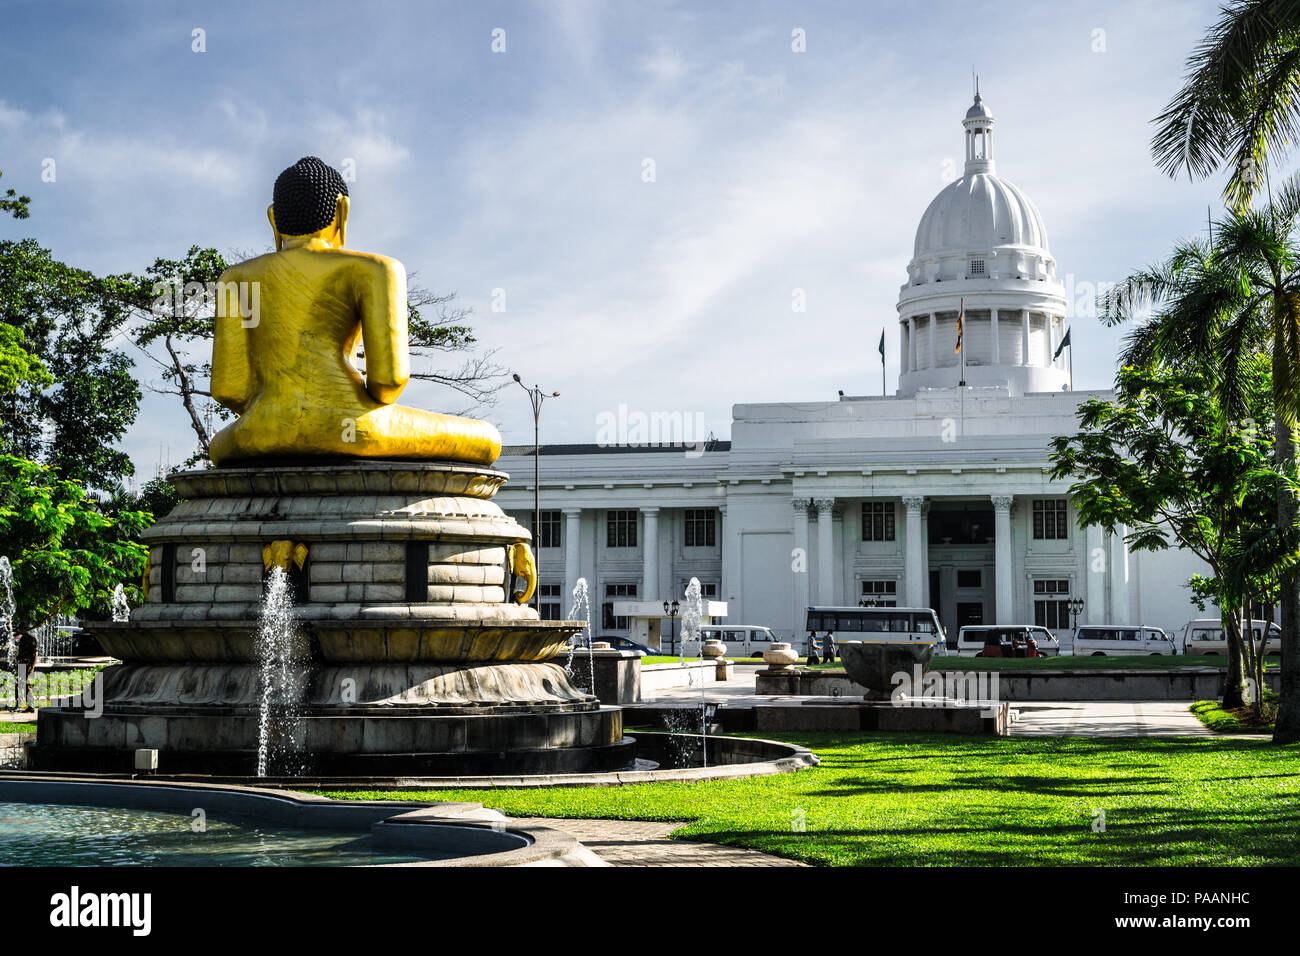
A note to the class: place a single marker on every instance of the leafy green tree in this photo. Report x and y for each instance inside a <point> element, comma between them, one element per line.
<point>1165,460</point>
<point>14,204</point>
<point>1214,308</point>
<point>68,318</point>
<point>18,367</point>
<point>66,553</point>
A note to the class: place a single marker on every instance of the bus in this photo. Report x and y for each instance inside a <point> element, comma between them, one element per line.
<point>878,625</point>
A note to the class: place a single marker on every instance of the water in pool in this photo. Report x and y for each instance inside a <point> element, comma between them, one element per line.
<point>44,834</point>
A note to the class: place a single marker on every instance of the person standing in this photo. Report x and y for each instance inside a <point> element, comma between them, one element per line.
<point>813,649</point>
<point>828,647</point>
<point>26,661</point>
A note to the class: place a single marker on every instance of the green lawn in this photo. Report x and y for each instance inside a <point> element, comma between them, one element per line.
<point>1070,662</point>
<point>1238,720</point>
<point>914,799</point>
<point>17,727</point>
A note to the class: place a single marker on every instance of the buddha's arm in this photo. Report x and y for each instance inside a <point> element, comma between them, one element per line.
<point>382,300</point>
<point>232,372</point>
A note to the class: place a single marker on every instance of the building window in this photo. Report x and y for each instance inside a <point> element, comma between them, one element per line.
<point>1050,519</point>
<point>879,594</point>
<point>977,267</point>
<point>620,529</point>
<point>548,536</point>
<point>708,591</point>
<point>969,579</point>
<point>877,521</point>
<point>701,528</point>
<point>549,604</point>
<point>607,619</point>
<point>1052,603</point>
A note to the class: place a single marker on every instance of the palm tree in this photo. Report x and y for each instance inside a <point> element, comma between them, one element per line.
<point>1239,104</point>
<point>1214,307</point>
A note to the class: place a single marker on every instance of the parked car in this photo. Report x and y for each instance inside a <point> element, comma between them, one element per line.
<point>1116,640</point>
<point>1205,636</point>
<point>742,640</point>
<point>972,638</point>
<point>624,644</point>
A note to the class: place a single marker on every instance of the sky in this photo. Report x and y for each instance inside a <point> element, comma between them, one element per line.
<point>503,152</point>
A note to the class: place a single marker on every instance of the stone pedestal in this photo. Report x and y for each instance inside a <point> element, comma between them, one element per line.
<point>414,657</point>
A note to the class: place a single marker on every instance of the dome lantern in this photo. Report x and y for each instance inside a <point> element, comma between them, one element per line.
<point>979,136</point>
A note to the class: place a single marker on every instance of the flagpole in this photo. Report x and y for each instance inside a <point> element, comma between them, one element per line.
<point>961,344</point>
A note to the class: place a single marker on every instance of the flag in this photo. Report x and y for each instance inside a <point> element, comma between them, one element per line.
<point>1064,342</point>
<point>961,322</point>
<point>882,345</point>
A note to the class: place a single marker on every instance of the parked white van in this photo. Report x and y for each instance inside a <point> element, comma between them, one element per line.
<point>1117,640</point>
<point>1205,636</point>
<point>972,638</point>
<point>742,640</point>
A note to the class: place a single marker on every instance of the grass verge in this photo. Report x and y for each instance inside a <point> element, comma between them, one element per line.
<point>933,800</point>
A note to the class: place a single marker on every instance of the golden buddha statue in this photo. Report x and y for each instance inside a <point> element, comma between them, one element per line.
<point>289,370</point>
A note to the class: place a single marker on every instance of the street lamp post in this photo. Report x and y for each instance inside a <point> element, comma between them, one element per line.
<point>1076,606</point>
<point>671,610</point>
<point>536,396</point>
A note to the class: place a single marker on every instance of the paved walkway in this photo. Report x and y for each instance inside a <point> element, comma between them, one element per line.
<point>1108,718</point>
<point>637,843</point>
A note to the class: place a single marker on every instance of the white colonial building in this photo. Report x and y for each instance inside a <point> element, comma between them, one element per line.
<point>937,496</point>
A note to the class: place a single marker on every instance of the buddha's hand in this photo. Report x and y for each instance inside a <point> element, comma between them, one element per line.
<point>522,565</point>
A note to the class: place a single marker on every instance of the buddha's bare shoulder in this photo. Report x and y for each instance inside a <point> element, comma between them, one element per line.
<point>369,261</point>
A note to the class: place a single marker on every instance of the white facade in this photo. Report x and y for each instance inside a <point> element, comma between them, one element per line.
<point>937,496</point>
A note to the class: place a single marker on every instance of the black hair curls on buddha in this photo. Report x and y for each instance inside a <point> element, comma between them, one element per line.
<point>306,196</point>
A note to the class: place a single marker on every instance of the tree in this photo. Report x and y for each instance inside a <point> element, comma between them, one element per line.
<point>68,319</point>
<point>14,204</point>
<point>66,553</point>
<point>1165,459</point>
<point>1239,104</point>
<point>1214,308</point>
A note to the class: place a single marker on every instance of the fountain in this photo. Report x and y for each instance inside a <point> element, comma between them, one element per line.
<point>8,608</point>
<point>284,661</point>
<point>416,647</point>
<point>580,610</point>
<point>340,596</point>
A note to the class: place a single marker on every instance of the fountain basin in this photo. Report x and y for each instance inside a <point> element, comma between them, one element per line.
<point>97,822</point>
<point>874,664</point>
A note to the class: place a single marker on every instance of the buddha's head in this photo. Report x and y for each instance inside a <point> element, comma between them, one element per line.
<point>310,201</point>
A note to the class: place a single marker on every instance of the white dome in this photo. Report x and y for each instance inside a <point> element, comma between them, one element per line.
<point>979,213</point>
<point>981,255</point>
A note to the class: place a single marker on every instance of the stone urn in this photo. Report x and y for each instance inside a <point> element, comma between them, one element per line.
<point>873,665</point>
<point>713,649</point>
<point>600,645</point>
<point>780,656</point>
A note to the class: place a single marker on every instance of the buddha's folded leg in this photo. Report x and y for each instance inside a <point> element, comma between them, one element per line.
<point>414,432</point>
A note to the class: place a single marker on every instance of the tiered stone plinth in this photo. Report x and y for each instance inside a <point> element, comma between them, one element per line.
<point>417,661</point>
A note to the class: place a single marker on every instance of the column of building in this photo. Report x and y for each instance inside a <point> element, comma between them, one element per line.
<point>650,556</point>
<point>801,564</point>
<point>1094,595</point>
<point>1119,609</point>
<point>912,560</point>
<point>825,550</point>
<point>1003,576</point>
<point>572,557</point>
